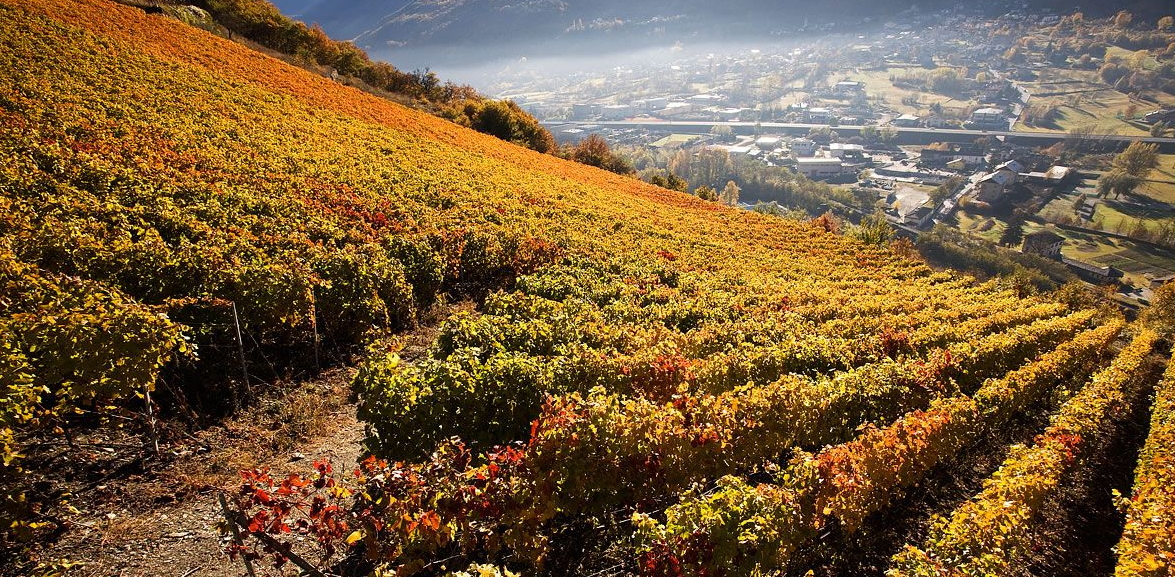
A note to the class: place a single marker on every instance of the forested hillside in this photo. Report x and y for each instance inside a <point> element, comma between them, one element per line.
<point>645,382</point>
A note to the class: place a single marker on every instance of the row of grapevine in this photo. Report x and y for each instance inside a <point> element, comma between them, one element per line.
<point>605,451</point>
<point>1147,548</point>
<point>993,531</point>
<point>66,345</point>
<point>743,528</point>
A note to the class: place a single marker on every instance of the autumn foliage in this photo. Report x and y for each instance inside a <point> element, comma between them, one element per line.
<point>647,380</point>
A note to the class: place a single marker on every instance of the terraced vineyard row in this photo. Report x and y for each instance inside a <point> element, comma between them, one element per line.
<point>994,532</point>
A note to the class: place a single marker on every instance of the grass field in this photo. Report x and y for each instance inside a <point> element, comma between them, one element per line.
<point>1160,185</point>
<point>675,140</point>
<point>879,86</point>
<point>981,226</point>
<point>1134,259</point>
<point>1099,109</point>
<point>1089,102</point>
<point>1120,217</point>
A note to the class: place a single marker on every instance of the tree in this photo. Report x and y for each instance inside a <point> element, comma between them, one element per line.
<point>1014,233</point>
<point>1123,19</point>
<point>827,221</point>
<point>710,166</point>
<point>1117,182</point>
<point>706,193</point>
<point>670,181</point>
<point>1138,159</point>
<point>1166,23</point>
<point>729,194</point>
<point>945,189</point>
<point>1158,129</point>
<point>946,81</point>
<point>722,130</point>
<point>1161,314</point>
<point>874,229</point>
<point>594,151</point>
<point>503,119</point>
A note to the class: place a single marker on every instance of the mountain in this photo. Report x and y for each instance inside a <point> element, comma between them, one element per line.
<point>481,22</point>
<point>462,29</point>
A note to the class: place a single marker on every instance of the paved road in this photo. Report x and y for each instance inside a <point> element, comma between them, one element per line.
<point>702,126</point>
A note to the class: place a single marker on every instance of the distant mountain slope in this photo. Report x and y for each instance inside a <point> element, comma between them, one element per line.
<point>462,22</point>
<point>567,26</point>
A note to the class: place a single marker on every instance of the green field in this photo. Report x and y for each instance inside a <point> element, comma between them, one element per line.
<point>878,86</point>
<point>1088,102</point>
<point>1160,184</point>
<point>980,226</point>
<point>675,141</point>
<point>1134,259</point>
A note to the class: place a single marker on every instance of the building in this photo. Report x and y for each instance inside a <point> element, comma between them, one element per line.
<point>934,121</point>
<point>616,112</point>
<point>989,118</point>
<point>1011,167</point>
<point>728,114</point>
<point>849,87</point>
<point>994,186</point>
<point>817,116</point>
<point>1044,243</point>
<point>703,100</point>
<point>650,104</point>
<point>1157,281</point>
<point>675,109</point>
<point>1157,116</point>
<point>768,142</point>
<point>1052,177</point>
<point>582,111</point>
<point>906,121</point>
<point>803,147</point>
<point>940,153</point>
<point>819,167</point>
<point>1093,273</point>
<point>919,217</point>
<point>842,150</point>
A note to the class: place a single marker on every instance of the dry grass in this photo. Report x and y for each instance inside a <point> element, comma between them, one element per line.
<point>269,430</point>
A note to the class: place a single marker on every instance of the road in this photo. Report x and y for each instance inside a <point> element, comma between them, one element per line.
<point>929,134</point>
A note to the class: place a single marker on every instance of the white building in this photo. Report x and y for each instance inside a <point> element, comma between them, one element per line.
<point>675,109</point>
<point>989,117</point>
<point>841,150</point>
<point>818,115</point>
<point>803,147</point>
<point>616,112</point>
<point>650,104</point>
<point>768,142</point>
<point>819,167</point>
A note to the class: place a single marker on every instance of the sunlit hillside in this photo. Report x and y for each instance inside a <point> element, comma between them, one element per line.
<point>646,382</point>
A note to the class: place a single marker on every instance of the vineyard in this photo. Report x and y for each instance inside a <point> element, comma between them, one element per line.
<point>645,382</point>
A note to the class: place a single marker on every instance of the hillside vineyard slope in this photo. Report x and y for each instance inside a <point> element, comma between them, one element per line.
<point>210,185</point>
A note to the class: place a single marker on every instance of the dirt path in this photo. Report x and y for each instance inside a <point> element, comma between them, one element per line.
<point>163,519</point>
<point>122,538</point>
